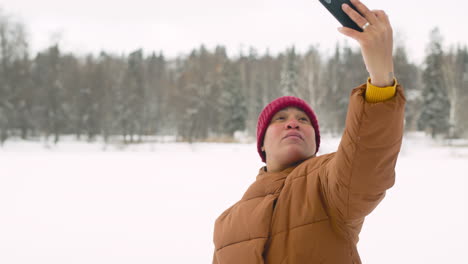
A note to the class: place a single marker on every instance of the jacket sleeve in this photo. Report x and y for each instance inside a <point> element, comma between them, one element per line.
<point>355,179</point>
<point>375,94</point>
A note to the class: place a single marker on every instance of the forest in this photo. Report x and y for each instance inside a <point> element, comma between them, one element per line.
<point>207,95</point>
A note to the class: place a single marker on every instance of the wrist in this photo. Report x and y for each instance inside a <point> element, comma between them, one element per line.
<point>382,79</point>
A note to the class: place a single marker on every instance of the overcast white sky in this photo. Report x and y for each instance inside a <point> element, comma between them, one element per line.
<point>177,26</point>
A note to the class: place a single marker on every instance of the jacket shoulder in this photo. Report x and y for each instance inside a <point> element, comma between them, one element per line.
<point>310,165</point>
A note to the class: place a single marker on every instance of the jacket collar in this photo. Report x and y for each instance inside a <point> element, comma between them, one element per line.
<point>267,183</point>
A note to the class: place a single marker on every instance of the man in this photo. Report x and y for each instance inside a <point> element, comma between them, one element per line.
<point>304,208</point>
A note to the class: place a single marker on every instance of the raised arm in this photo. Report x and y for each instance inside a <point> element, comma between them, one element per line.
<point>354,181</point>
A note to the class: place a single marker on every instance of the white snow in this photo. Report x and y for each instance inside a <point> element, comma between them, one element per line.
<point>156,203</point>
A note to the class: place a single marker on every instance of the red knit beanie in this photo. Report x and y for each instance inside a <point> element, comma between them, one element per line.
<point>276,105</point>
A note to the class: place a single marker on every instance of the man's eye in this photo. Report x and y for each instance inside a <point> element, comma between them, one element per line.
<point>303,119</point>
<point>280,118</point>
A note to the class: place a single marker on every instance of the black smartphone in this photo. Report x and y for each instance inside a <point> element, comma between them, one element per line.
<point>334,6</point>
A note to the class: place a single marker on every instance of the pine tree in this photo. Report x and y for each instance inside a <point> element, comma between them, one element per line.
<point>290,74</point>
<point>408,75</point>
<point>135,92</point>
<point>48,78</point>
<point>461,86</point>
<point>434,118</point>
<point>158,96</point>
<point>14,70</point>
<point>232,102</point>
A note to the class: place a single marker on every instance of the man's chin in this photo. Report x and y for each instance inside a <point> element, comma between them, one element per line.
<point>295,156</point>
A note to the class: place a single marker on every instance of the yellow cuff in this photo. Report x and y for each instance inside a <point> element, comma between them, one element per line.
<point>375,94</point>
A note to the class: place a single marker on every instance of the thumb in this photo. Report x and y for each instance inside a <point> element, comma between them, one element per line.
<point>349,32</point>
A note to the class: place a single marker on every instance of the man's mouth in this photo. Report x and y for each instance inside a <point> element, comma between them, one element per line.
<point>293,134</point>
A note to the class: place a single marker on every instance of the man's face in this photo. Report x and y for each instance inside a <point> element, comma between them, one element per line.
<point>289,138</point>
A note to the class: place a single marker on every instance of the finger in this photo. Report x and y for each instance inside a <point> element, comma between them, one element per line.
<point>365,11</point>
<point>378,12</point>
<point>384,21</point>
<point>355,16</point>
<point>350,32</point>
<point>381,14</point>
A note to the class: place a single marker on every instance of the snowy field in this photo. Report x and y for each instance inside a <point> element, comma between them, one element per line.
<point>156,203</point>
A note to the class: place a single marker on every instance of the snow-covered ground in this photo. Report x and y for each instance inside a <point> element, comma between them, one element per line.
<point>156,203</point>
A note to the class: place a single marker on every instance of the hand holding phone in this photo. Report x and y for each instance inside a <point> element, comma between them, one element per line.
<point>334,7</point>
<point>374,33</point>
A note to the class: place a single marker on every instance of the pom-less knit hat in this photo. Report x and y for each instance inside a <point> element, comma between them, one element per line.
<point>276,105</point>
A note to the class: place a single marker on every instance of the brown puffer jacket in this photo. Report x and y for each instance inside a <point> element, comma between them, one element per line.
<point>313,213</point>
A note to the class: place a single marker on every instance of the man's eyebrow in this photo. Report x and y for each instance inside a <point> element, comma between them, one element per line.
<point>281,112</point>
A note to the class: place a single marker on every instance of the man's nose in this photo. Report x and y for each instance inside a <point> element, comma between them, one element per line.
<point>292,123</point>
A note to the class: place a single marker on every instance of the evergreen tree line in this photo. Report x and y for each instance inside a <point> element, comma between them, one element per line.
<point>207,95</point>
